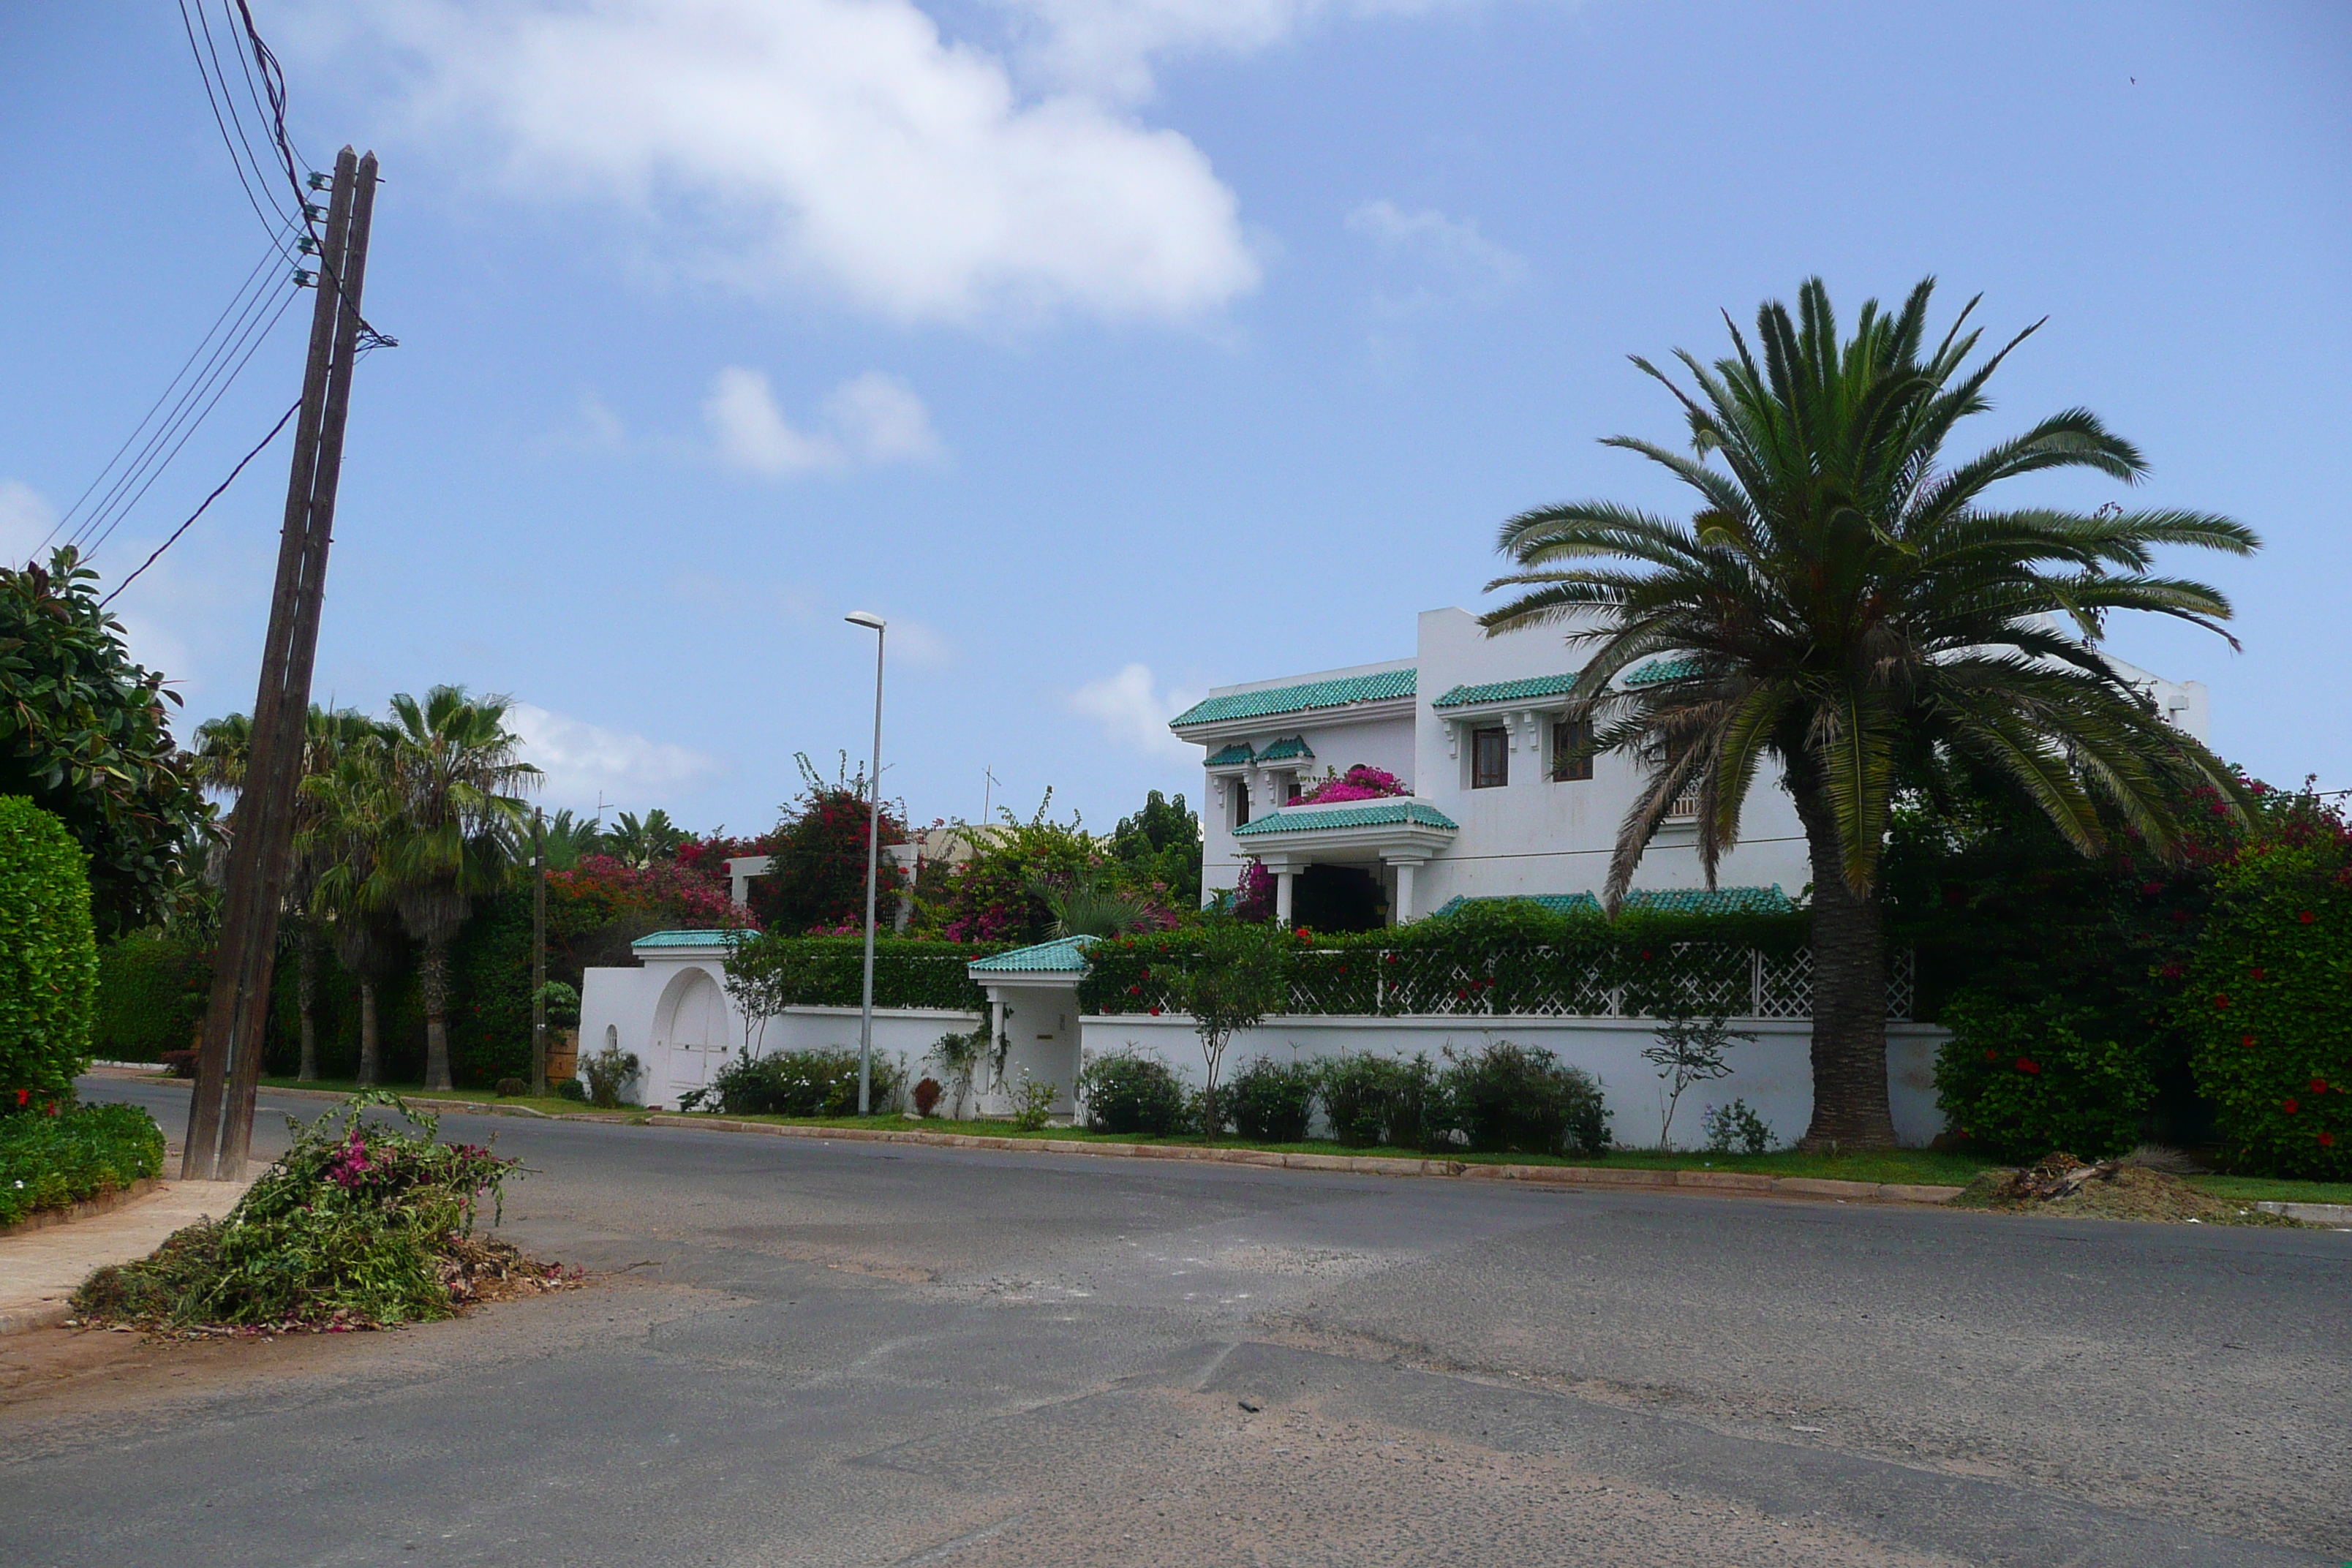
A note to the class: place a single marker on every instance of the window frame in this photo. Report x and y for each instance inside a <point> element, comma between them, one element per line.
<point>1571,751</point>
<point>1500,737</point>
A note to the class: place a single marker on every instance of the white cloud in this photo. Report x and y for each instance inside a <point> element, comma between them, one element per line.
<point>868,421</point>
<point>1107,46</point>
<point>585,761</point>
<point>1133,711</point>
<point>26,518</point>
<point>1450,248</point>
<point>842,143</point>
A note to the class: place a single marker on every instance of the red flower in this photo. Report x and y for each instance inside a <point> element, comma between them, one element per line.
<point>2254,973</point>
<point>23,1097</point>
<point>1992,1056</point>
<point>2319,1086</point>
<point>2247,1041</point>
<point>1155,1012</point>
<point>2289,1106</point>
<point>2220,1004</point>
<point>2307,917</point>
<point>2028,1064</point>
<point>2151,889</point>
<point>1135,991</point>
<point>2328,1140</point>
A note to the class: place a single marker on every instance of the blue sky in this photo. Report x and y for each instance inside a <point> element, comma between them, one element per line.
<point>1116,348</point>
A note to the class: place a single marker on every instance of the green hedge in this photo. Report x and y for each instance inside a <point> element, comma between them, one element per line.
<point>83,1150</point>
<point>1498,958</point>
<point>152,991</point>
<point>49,958</point>
<point>2268,1006</point>
<point>2022,1079</point>
<point>829,972</point>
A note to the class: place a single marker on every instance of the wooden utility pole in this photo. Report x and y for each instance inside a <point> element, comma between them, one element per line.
<point>229,1067</point>
<point>539,953</point>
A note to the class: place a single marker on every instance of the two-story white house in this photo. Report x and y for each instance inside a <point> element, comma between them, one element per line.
<point>1508,798</point>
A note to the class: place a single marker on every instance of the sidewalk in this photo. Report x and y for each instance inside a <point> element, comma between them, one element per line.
<point>39,1269</point>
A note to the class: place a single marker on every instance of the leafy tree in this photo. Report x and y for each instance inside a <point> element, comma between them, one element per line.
<point>453,831</point>
<point>1241,975</point>
<point>1158,851</point>
<point>996,895</point>
<point>1843,602</point>
<point>83,734</point>
<point>818,879</point>
<point>645,843</point>
<point>223,755</point>
<point>355,898</point>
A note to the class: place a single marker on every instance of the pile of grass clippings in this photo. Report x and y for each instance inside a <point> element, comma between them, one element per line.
<point>2060,1184</point>
<point>362,1224</point>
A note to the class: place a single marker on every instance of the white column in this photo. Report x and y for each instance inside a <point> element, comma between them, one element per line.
<point>1282,897</point>
<point>1402,910</point>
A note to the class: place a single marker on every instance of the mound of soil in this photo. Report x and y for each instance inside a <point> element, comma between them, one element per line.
<point>2061,1185</point>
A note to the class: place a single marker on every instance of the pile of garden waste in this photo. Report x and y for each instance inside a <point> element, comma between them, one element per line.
<point>2128,1188</point>
<point>363,1223</point>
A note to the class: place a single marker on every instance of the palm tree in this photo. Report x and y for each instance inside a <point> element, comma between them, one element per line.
<point>453,833</point>
<point>569,839</point>
<point>354,898</point>
<point>1843,602</point>
<point>223,751</point>
<point>642,843</point>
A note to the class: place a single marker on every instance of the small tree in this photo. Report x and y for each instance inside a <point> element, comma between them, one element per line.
<point>1242,974</point>
<point>1689,1050</point>
<point>816,878</point>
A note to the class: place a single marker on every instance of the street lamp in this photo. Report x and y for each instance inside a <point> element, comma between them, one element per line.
<point>873,866</point>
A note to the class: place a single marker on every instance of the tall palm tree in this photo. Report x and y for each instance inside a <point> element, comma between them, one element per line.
<point>569,839</point>
<point>455,832</point>
<point>1843,601</point>
<point>222,753</point>
<point>355,807</point>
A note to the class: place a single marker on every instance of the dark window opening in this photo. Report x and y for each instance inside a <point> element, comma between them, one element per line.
<point>1241,802</point>
<point>1338,898</point>
<point>1490,759</point>
<point>1571,750</point>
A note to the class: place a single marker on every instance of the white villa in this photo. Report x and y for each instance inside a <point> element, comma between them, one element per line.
<point>1506,800</point>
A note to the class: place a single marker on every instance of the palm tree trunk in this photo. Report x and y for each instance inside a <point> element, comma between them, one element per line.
<point>370,1056</point>
<point>306,996</point>
<point>1849,940</point>
<point>432,979</point>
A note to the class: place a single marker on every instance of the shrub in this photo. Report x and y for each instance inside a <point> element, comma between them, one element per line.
<point>360,1224</point>
<point>1033,1103</point>
<point>49,959</point>
<point>1271,1101</point>
<point>1376,1099</point>
<point>1511,1097</point>
<point>926,1096</point>
<point>1736,1128</point>
<point>180,1064</point>
<point>2022,1078</point>
<point>2267,1004</point>
<point>796,1083</point>
<point>608,1073</point>
<point>573,1089</point>
<point>511,1087</point>
<point>1129,1092</point>
<point>152,990</point>
<point>81,1152</point>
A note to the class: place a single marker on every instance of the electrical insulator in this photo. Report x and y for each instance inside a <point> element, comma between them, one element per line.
<point>314,211</point>
<point>305,279</point>
<point>307,245</point>
<point>319,182</point>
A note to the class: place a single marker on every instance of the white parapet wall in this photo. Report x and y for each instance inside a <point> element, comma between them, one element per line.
<point>1773,1072</point>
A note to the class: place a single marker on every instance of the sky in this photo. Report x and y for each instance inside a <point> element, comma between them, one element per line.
<point>1115,348</point>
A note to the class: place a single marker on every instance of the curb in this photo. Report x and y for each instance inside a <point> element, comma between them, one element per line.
<point>2337,1216</point>
<point>88,1209</point>
<point>1740,1184</point>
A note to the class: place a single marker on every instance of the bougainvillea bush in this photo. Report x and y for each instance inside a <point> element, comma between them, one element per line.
<point>2021,1079</point>
<point>1361,782</point>
<point>362,1223</point>
<point>49,959</point>
<point>2267,998</point>
<point>51,1160</point>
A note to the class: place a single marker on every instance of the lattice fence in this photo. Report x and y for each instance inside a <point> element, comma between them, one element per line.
<point>1542,983</point>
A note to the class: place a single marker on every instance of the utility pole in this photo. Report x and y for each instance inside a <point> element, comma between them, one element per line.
<point>229,1067</point>
<point>539,953</point>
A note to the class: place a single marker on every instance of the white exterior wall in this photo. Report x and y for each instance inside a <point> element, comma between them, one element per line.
<point>1774,1073</point>
<point>675,1015</point>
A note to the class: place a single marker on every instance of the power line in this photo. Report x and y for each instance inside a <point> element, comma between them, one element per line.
<point>208,500</point>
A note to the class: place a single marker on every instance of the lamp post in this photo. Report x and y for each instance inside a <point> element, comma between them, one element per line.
<point>872,866</point>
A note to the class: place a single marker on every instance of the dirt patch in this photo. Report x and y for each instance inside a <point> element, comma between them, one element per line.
<point>2062,1186</point>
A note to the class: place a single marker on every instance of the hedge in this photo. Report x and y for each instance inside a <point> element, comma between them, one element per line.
<point>829,972</point>
<point>81,1152</point>
<point>1498,958</point>
<point>152,992</point>
<point>2023,1079</point>
<point>49,958</point>
<point>2268,1003</point>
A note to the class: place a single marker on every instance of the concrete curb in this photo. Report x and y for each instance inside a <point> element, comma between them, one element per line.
<point>2338,1215</point>
<point>88,1209</point>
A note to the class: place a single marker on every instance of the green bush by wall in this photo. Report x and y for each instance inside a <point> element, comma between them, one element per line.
<point>152,990</point>
<point>49,959</point>
<point>2023,1078</point>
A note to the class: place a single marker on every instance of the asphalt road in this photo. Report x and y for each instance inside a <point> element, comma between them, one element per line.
<point>853,1353</point>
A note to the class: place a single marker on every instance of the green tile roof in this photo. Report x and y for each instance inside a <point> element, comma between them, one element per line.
<point>1302,698</point>
<point>1659,669</point>
<point>1506,690</point>
<point>1664,900</point>
<point>1065,955</point>
<point>1314,819</point>
<point>690,939</point>
<point>1237,755</point>
<point>1293,750</point>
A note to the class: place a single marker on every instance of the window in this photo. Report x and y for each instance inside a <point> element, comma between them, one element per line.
<point>1572,749</point>
<point>1239,789</point>
<point>1290,790</point>
<point>1490,759</point>
<point>1684,807</point>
